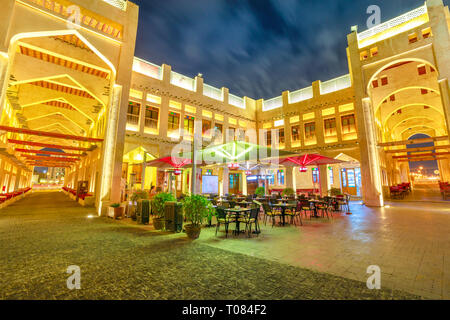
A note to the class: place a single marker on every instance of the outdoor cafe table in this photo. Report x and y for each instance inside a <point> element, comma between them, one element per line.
<point>283,207</point>
<point>315,203</point>
<point>237,212</point>
<point>244,203</point>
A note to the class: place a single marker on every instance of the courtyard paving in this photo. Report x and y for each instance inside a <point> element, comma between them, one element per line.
<point>45,233</point>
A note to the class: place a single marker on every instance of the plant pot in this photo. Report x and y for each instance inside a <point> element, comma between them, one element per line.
<point>158,223</point>
<point>193,232</point>
<point>118,212</point>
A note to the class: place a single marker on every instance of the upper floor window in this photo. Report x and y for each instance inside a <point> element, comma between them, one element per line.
<point>174,122</point>
<point>189,124</point>
<point>423,91</point>
<point>330,127</point>
<point>348,124</point>
<point>151,117</point>
<point>231,134</point>
<point>295,133</point>
<point>134,109</point>
<point>281,136</point>
<point>310,130</point>
<point>206,126</point>
<point>268,138</point>
<point>384,81</point>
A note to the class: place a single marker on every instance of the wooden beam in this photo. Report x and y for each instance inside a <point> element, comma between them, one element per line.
<point>51,159</point>
<point>49,134</point>
<point>48,165</point>
<point>421,159</point>
<point>47,145</point>
<point>415,141</point>
<point>419,149</point>
<point>424,155</point>
<point>48,152</point>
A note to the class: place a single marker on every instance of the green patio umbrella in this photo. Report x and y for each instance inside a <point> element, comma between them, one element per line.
<point>238,152</point>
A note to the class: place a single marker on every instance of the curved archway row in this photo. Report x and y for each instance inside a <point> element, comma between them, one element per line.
<point>395,62</point>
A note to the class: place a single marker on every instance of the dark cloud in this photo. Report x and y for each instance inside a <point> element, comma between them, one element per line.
<point>257,48</point>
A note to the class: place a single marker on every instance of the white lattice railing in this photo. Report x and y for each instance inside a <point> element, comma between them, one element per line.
<point>121,4</point>
<point>147,68</point>
<point>273,103</point>
<point>335,84</point>
<point>393,23</point>
<point>236,101</point>
<point>212,92</point>
<point>182,81</point>
<point>301,95</point>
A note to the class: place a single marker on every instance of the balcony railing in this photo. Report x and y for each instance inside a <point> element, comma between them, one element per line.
<point>212,92</point>
<point>335,84</point>
<point>132,119</point>
<point>274,103</point>
<point>182,81</point>
<point>151,123</point>
<point>393,27</point>
<point>147,68</point>
<point>236,101</point>
<point>121,4</point>
<point>301,95</point>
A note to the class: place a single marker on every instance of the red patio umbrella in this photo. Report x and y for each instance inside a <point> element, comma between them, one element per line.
<point>169,162</point>
<point>308,160</point>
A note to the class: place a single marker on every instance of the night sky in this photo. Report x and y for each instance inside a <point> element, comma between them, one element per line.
<point>257,48</point>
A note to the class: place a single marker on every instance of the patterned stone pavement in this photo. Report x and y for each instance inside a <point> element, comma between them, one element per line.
<point>45,233</point>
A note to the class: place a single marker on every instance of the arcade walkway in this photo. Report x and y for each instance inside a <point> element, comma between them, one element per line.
<point>45,233</point>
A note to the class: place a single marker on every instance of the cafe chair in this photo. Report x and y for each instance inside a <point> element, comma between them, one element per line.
<point>250,220</point>
<point>223,218</point>
<point>270,213</point>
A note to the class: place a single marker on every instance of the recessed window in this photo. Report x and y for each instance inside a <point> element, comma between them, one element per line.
<point>330,127</point>
<point>426,33</point>
<point>375,84</point>
<point>189,124</point>
<point>174,122</point>
<point>422,70</point>
<point>412,38</point>
<point>392,98</point>
<point>364,55</point>
<point>134,109</point>
<point>432,69</point>
<point>384,81</point>
<point>423,91</point>
<point>295,133</point>
<point>151,117</point>
<point>374,52</point>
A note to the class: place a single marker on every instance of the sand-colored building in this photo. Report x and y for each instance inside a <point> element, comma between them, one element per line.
<point>70,81</point>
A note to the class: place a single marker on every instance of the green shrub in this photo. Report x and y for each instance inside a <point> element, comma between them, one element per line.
<point>288,192</point>
<point>115,205</point>
<point>158,203</point>
<point>138,195</point>
<point>260,191</point>
<point>335,192</point>
<point>196,209</point>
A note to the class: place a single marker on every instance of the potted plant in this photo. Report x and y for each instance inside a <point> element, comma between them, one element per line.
<point>335,192</point>
<point>139,195</point>
<point>158,208</point>
<point>118,210</point>
<point>260,192</point>
<point>288,192</point>
<point>196,209</point>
